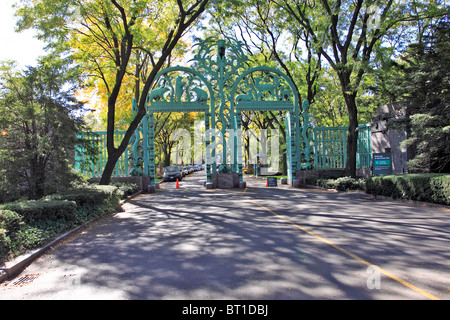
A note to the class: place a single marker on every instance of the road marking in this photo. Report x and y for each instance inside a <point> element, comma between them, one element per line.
<point>386,273</point>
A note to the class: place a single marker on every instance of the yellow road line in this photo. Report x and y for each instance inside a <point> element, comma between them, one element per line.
<point>386,273</point>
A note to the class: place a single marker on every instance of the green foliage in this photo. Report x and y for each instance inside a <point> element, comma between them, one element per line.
<point>424,82</point>
<point>10,225</point>
<point>126,189</point>
<point>121,46</point>
<point>340,184</point>
<point>433,188</point>
<point>5,244</point>
<point>28,224</point>
<point>87,196</point>
<point>92,201</point>
<point>42,210</point>
<point>332,50</point>
<point>15,235</point>
<point>39,124</point>
<point>10,221</point>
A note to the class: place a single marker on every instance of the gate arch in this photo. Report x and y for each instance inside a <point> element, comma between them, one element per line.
<point>219,66</point>
<point>174,92</point>
<point>278,94</point>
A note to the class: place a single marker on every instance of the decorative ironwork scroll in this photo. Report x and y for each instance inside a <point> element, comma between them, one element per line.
<point>264,88</point>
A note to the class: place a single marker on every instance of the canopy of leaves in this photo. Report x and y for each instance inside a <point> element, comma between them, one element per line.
<point>39,120</point>
<point>425,84</point>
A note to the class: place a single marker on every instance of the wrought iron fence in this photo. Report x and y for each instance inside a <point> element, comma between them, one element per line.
<point>95,165</point>
<point>328,147</point>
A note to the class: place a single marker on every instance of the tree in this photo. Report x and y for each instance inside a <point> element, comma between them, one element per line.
<point>271,39</point>
<point>347,33</point>
<point>424,83</point>
<point>106,36</point>
<point>39,121</point>
<point>344,34</point>
<point>166,139</point>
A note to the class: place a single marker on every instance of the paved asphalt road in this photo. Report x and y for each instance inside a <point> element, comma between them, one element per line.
<point>258,243</point>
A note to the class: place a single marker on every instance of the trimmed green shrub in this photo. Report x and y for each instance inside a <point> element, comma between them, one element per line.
<point>10,221</point>
<point>433,188</point>
<point>91,201</point>
<point>127,189</point>
<point>28,224</point>
<point>93,196</point>
<point>5,244</point>
<point>43,210</point>
<point>340,184</point>
<point>10,225</point>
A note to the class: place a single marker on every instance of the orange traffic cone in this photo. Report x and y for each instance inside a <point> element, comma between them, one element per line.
<point>178,185</point>
<point>267,182</point>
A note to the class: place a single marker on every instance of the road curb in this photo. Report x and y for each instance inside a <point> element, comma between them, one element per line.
<point>14,267</point>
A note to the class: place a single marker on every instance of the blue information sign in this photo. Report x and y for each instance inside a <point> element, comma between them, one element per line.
<point>271,182</point>
<point>382,163</point>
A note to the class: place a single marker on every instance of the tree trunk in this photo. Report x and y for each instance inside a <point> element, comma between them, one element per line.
<point>166,158</point>
<point>122,62</point>
<point>113,152</point>
<point>352,138</point>
<point>284,162</point>
<point>109,167</point>
<point>37,179</point>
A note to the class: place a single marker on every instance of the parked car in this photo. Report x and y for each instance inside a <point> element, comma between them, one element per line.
<point>172,173</point>
<point>186,170</point>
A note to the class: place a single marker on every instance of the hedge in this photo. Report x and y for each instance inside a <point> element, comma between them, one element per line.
<point>10,224</point>
<point>28,224</point>
<point>433,188</point>
<point>91,196</point>
<point>42,210</point>
<point>5,244</point>
<point>340,184</point>
<point>126,189</point>
<point>10,221</point>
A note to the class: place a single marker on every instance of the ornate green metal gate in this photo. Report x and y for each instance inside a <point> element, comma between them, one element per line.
<point>220,85</point>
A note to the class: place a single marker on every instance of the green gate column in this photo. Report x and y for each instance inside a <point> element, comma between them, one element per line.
<point>295,144</point>
<point>238,145</point>
<point>145,141</point>
<point>289,148</point>
<point>213,166</point>
<point>135,143</point>
<point>151,147</point>
<point>207,142</point>
<point>296,138</point>
<point>305,138</point>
